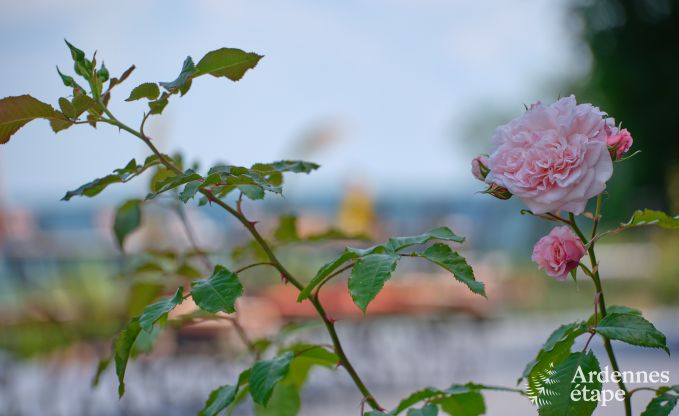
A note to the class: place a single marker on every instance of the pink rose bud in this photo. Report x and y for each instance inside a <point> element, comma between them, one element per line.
<point>499,192</point>
<point>619,143</point>
<point>558,252</point>
<point>480,167</point>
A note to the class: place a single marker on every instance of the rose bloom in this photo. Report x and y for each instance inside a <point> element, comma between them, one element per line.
<point>558,252</point>
<point>553,157</point>
<point>620,143</point>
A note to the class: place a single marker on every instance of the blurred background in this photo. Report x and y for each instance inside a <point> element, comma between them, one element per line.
<point>393,99</point>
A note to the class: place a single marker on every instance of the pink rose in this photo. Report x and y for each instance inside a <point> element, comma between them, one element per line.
<point>480,167</point>
<point>558,252</point>
<point>619,143</point>
<point>553,157</point>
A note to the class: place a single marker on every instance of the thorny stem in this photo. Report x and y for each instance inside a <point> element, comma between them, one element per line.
<point>556,218</point>
<point>602,302</point>
<point>597,215</point>
<point>329,323</point>
<point>596,320</point>
<point>239,203</point>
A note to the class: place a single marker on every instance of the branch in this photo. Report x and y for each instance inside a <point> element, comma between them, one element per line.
<point>602,303</point>
<point>250,226</point>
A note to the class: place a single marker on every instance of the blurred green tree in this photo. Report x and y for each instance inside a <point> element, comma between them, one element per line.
<point>635,66</point>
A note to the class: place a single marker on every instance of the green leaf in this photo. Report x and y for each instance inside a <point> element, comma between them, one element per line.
<point>218,400</point>
<point>566,333</point>
<point>368,277</point>
<point>101,368</point>
<point>253,182</point>
<point>238,175</point>
<point>427,410</point>
<point>415,398</point>
<point>219,292</point>
<point>650,217</point>
<point>458,400</point>
<point>148,90</point>
<point>623,309</point>
<point>83,66</point>
<point>348,254</point>
<point>574,275</point>
<point>318,354</point>
<point>159,310</point>
<point>555,350</point>
<point>244,377</point>
<point>115,81</point>
<point>157,106</point>
<point>189,191</point>
<point>67,80</point>
<point>122,347</point>
<point>93,188</point>
<point>15,112</point>
<point>441,233</point>
<point>146,340</point>
<point>66,107</point>
<point>285,401</point>
<point>123,175</point>
<point>632,329</point>
<point>266,374</point>
<point>127,219</point>
<point>59,122</point>
<point>662,404</point>
<point>173,182</point>
<point>294,166</point>
<point>227,62</point>
<point>614,309</point>
<point>555,397</point>
<point>82,103</point>
<point>243,390</point>
<point>308,356</point>
<point>182,83</point>
<point>102,73</point>
<point>253,192</point>
<point>92,120</point>
<point>463,404</point>
<point>450,260</point>
<point>77,54</point>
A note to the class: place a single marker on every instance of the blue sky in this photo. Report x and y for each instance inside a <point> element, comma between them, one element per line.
<point>398,81</point>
